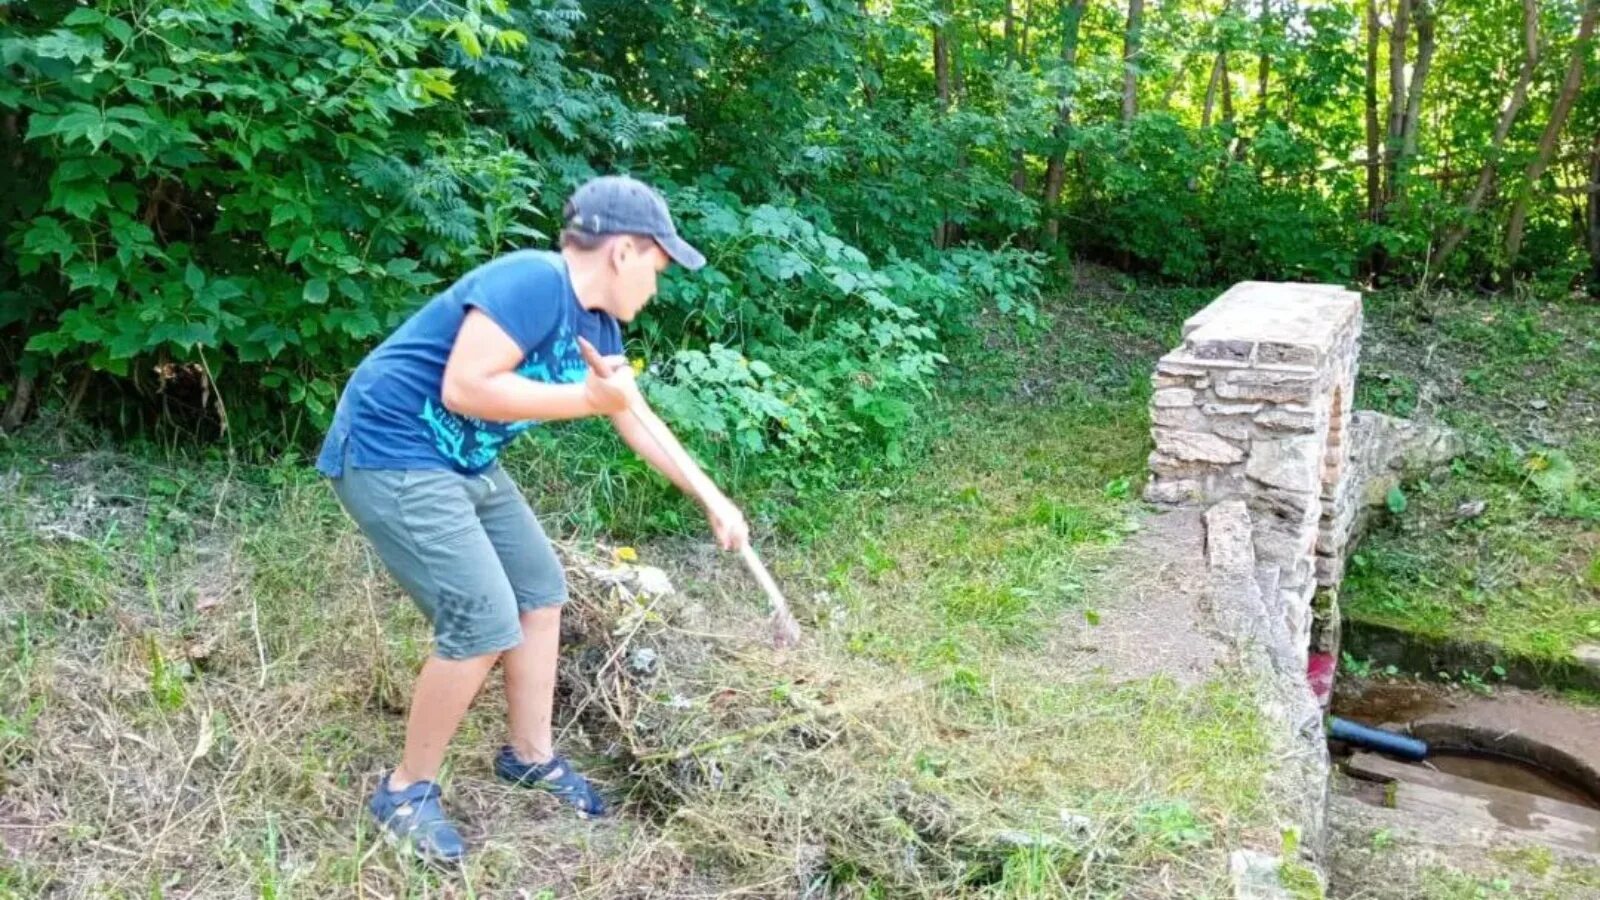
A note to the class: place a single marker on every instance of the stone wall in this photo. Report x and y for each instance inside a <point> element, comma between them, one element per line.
<point>1255,405</point>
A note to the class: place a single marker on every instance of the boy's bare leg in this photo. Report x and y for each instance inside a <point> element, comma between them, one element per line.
<point>530,669</point>
<point>443,692</point>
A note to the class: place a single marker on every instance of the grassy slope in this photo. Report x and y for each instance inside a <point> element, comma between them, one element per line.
<point>1521,379</point>
<point>204,671</point>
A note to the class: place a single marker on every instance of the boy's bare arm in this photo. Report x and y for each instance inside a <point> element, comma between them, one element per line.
<point>480,380</point>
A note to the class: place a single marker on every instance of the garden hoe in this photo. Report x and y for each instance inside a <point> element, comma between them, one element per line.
<point>785,629</point>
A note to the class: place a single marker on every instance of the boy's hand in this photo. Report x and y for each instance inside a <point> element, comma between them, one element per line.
<point>728,523</point>
<point>610,385</point>
<point>610,394</point>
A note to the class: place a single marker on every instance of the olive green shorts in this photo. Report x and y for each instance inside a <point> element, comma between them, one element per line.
<point>466,548</point>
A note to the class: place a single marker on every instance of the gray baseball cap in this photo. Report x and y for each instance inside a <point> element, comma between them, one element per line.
<point>617,204</point>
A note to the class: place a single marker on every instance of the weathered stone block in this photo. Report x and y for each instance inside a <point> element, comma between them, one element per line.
<point>1293,464</point>
<point>1330,571</point>
<point>1172,467</point>
<point>1171,397</point>
<point>1234,429</point>
<point>1169,367</point>
<point>1195,446</point>
<point>1223,484</point>
<point>1273,353</point>
<point>1281,547</point>
<point>1267,579</point>
<point>1225,350</point>
<point>1272,387</point>
<point>1229,547</point>
<point>1185,417</point>
<point>1294,508</point>
<point>1231,409</point>
<point>1173,491</point>
<point>1288,418</point>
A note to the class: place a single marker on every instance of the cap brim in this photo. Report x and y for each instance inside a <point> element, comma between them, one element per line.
<point>681,251</point>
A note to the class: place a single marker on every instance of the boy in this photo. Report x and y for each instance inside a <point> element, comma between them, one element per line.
<point>411,454</point>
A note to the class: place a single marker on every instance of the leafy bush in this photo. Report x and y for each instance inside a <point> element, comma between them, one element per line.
<point>274,184</point>
<point>243,197</point>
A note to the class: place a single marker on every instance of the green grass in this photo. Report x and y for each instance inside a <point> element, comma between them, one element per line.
<point>1528,873</point>
<point>1520,378</point>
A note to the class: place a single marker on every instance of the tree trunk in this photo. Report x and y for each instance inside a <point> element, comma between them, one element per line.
<point>1218,67</point>
<point>1398,35</point>
<point>1552,130</point>
<point>1227,87</point>
<point>1019,169</point>
<point>1591,209</point>
<point>1264,66</point>
<point>1027,21</point>
<point>1452,238</point>
<point>1130,53</point>
<point>1374,160</point>
<point>1011,30</point>
<point>1419,80</point>
<point>941,87</point>
<point>80,390</point>
<point>1219,85</point>
<point>21,399</point>
<point>1056,168</point>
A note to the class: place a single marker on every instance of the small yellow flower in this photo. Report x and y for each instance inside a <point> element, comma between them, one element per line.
<point>626,554</point>
<point>638,366</point>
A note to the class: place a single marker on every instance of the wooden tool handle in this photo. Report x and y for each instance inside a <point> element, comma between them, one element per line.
<point>762,577</point>
<point>787,629</point>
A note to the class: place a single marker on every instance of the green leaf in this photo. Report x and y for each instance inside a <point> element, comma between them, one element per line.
<point>1396,500</point>
<point>120,30</point>
<point>193,278</point>
<point>316,291</point>
<point>84,15</point>
<point>301,246</point>
<point>1553,473</point>
<point>81,198</point>
<point>46,237</point>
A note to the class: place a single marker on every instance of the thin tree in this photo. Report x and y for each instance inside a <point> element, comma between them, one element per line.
<point>1374,157</point>
<point>941,88</point>
<point>1552,130</point>
<point>1591,209</point>
<point>1220,83</point>
<point>1452,236</point>
<point>1131,41</point>
<point>1055,169</point>
<point>1264,65</point>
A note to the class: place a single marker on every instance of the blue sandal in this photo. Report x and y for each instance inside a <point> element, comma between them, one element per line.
<point>556,776</point>
<point>414,820</point>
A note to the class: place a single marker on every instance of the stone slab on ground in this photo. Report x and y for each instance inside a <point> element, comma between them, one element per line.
<point>1414,851</point>
<point>1553,823</point>
<point>1154,621</point>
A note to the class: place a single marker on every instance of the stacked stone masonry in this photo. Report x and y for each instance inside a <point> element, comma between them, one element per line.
<point>1255,405</point>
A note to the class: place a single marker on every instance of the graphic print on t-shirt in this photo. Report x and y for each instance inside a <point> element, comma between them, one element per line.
<point>471,443</point>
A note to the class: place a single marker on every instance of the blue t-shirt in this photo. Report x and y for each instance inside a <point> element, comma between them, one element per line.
<point>391,415</point>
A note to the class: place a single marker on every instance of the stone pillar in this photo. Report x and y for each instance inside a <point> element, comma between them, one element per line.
<point>1255,404</point>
